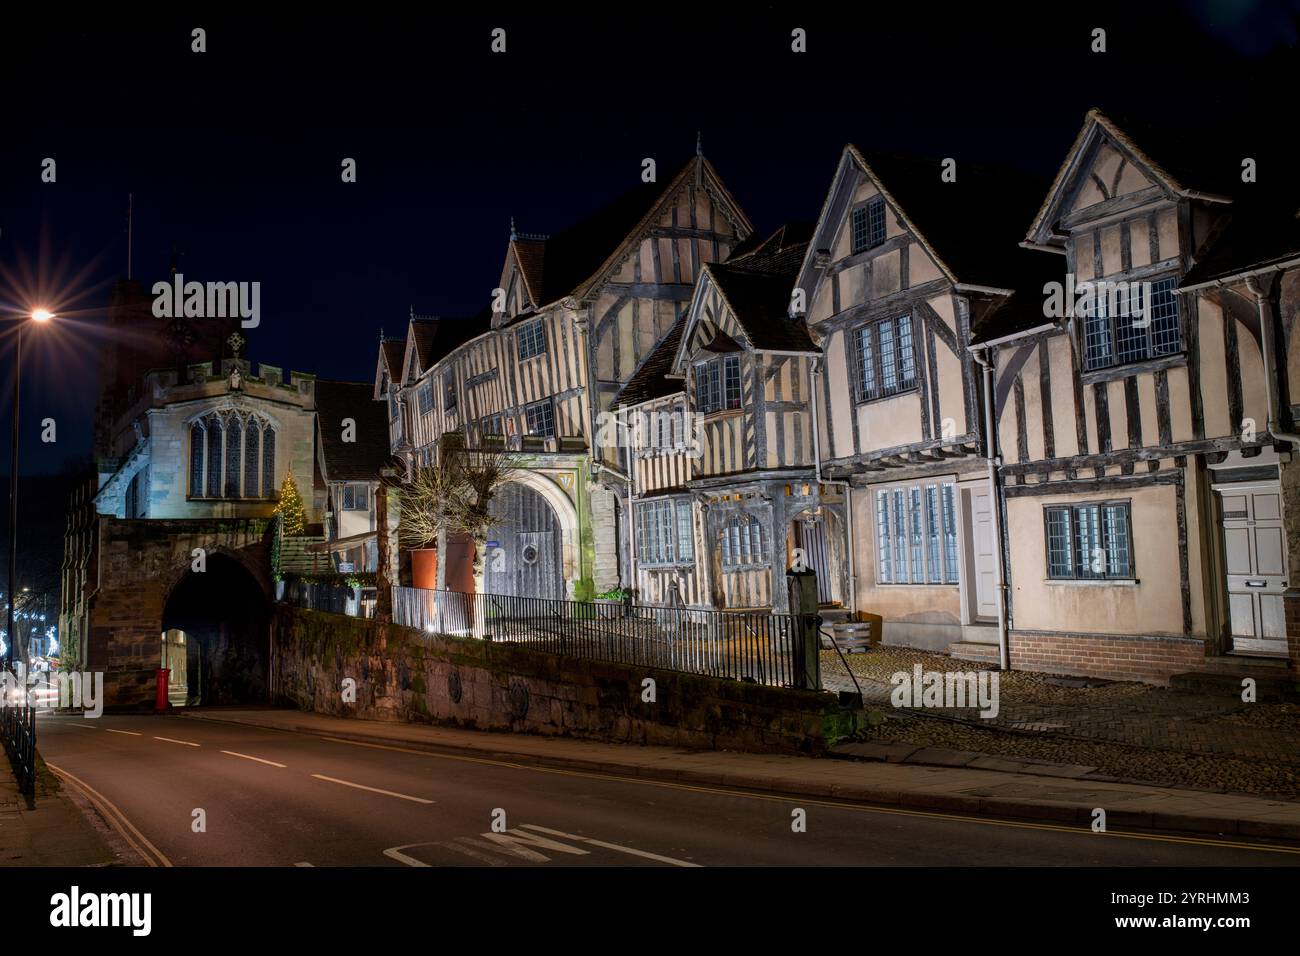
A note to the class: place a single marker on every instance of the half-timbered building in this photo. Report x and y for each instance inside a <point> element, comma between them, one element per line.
<point>722,418</point>
<point>904,263</point>
<point>1141,425</point>
<point>573,316</point>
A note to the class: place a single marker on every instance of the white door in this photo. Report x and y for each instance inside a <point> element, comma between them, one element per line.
<point>983,556</point>
<point>1255,561</point>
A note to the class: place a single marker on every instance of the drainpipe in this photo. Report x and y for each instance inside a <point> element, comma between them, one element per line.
<point>995,503</point>
<point>851,545</point>
<point>1266,350</point>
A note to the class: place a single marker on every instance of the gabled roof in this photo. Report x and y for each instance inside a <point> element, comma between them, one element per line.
<point>650,380</point>
<point>571,261</point>
<point>1203,171</point>
<point>392,353</point>
<point>433,338</point>
<point>756,284</point>
<point>1257,237</point>
<point>359,460</point>
<point>969,224</point>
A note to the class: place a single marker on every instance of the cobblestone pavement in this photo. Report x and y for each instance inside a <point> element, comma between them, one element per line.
<point>1135,715</point>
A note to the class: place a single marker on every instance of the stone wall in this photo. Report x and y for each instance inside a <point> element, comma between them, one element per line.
<point>140,562</point>
<point>404,675</point>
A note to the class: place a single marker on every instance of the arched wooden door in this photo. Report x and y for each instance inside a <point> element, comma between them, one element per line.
<point>523,547</point>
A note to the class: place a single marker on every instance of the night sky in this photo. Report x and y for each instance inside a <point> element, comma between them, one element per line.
<point>234,155</point>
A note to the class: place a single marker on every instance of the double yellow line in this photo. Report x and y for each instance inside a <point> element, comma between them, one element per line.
<point>114,817</point>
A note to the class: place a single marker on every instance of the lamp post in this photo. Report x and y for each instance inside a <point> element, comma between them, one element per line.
<point>41,316</point>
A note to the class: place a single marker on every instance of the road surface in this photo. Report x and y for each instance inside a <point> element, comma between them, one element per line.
<point>187,792</point>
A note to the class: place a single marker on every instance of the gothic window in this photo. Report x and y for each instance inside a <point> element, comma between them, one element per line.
<point>226,448</point>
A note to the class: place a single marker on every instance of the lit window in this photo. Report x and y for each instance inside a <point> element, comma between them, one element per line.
<point>916,534</point>
<point>664,532</point>
<point>743,542</point>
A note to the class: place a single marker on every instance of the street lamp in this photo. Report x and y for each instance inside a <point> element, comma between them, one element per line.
<point>39,316</point>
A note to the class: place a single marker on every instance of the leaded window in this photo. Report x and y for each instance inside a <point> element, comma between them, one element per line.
<point>885,358</point>
<point>1089,541</point>
<point>717,384</point>
<point>1126,322</point>
<point>744,543</point>
<point>916,534</point>
<point>540,418</point>
<point>869,224</point>
<point>664,533</point>
<point>226,450</point>
<point>531,339</point>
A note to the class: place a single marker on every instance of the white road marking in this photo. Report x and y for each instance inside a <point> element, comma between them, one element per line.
<point>258,759</point>
<point>359,786</point>
<point>187,743</point>
<point>511,841</point>
<point>631,851</point>
<point>312,865</point>
<point>129,733</point>
<point>72,722</point>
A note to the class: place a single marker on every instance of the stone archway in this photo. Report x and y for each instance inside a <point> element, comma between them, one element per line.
<point>566,521</point>
<point>524,550</point>
<point>222,617</point>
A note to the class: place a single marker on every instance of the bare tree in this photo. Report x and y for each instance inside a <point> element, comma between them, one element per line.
<point>453,497</point>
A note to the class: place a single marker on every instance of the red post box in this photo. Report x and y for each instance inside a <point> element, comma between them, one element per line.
<point>161,703</point>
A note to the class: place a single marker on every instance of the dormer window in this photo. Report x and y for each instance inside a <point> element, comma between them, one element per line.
<point>1127,322</point>
<point>531,339</point>
<point>869,224</point>
<point>717,384</point>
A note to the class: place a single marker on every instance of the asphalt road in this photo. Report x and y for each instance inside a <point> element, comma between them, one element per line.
<point>271,798</point>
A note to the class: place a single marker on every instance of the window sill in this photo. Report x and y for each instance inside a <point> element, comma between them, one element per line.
<point>1095,582</point>
<point>918,584</point>
<point>674,566</point>
<point>1115,372</point>
<point>912,390</point>
<point>722,413</point>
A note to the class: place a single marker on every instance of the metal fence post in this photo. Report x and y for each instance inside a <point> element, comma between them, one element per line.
<point>805,622</point>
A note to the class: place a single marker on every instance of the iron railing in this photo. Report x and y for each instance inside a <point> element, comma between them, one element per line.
<point>740,645</point>
<point>334,598</point>
<point>18,730</point>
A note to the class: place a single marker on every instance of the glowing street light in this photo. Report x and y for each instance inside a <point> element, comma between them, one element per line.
<point>39,316</point>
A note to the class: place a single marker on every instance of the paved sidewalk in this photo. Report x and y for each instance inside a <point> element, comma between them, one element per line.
<point>1135,715</point>
<point>49,830</point>
<point>1039,795</point>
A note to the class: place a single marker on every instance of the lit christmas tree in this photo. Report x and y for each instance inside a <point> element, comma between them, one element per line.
<point>290,507</point>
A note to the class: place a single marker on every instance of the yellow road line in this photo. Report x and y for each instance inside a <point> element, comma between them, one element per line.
<point>115,818</point>
<point>853,807</point>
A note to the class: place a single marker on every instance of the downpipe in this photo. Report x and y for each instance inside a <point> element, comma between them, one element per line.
<point>995,502</point>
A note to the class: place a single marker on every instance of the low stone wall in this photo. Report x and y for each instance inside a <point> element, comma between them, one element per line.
<point>402,674</point>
